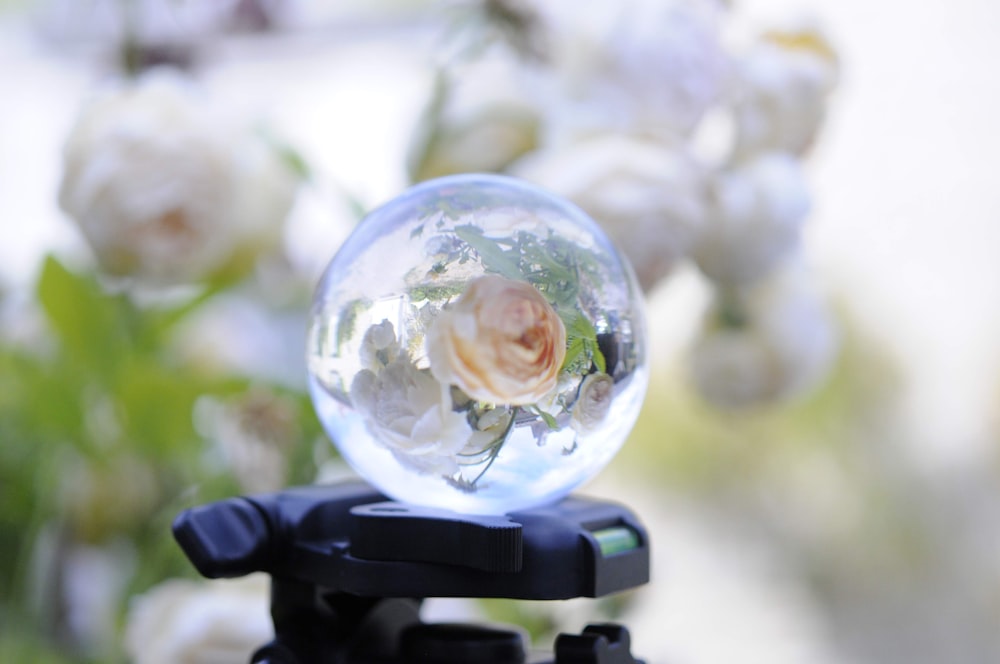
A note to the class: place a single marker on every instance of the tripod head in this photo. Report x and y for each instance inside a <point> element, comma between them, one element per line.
<point>349,570</point>
<point>495,361</point>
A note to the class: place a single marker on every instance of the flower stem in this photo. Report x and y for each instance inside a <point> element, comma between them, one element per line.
<point>129,49</point>
<point>495,452</point>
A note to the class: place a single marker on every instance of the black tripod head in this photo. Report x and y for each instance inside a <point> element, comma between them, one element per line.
<point>349,570</point>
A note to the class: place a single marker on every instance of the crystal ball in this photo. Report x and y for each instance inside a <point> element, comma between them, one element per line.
<point>477,344</point>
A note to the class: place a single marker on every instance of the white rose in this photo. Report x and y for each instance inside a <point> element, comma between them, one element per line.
<point>255,434</point>
<point>491,426</point>
<point>165,191</point>
<point>267,188</point>
<point>755,213</point>
<point>642,65</point>
<point>781,90</point>
<point>648,197</point>
<point>733,369</point>
<point>409,413</point>
<point>480,120</point>
<point>379,346</point>
<point>199,622</point>
<point>795,317</point>
<point>783,347</point>
<point>593,402</point>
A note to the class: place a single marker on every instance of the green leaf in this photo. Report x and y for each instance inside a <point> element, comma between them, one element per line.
<point>92,326</point>
<point>575,356</point>
<point>598,357</point>
<point>581,344</point>
<point>493,257</point>
<point>155,325</point>
<point>550,421</point>
<point>348,320</point>
<point>294,160</point>
<point>157,403</point>
<point>435,293</point>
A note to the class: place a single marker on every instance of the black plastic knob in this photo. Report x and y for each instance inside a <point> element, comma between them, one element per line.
<point>392,531</point>
<point>227,539</point>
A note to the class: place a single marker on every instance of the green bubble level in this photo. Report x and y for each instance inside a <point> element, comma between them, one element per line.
<point>616,540</point>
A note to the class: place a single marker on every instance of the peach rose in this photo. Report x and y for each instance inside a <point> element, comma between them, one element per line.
<point>501,342</point>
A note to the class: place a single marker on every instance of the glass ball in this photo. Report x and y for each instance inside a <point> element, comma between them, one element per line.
<point>477,344</point>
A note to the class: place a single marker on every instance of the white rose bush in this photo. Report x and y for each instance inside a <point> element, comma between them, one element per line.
<point>763,343</point>
<point>754,218</point>
<point>780,90</point>
<point>510,355</point>
<point>636,188</point>
<point>180,620</point>
<point>178,203</point>
<point>686,144</point>
<point>481,117</point>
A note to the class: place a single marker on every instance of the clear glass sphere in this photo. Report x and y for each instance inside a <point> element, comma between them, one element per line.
<point>477,344</point>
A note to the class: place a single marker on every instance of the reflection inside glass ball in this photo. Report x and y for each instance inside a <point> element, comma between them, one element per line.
<point>477,344</point>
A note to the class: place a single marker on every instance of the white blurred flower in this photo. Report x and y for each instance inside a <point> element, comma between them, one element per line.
<point>93,579</point>
<point>410,413</point>
<point>218,622</point>
<point>112,495</point>
<point>781,90</point>
<point>480,119</point>
<point>754,219</point>
<point>733,368</point>
<point>236,333</point>
<point>255,434</point>
<point>777,340</point>
<point>160,23</point>
<point>266,188</point>
<point>647,196</point>
<point>164,189</point>
<point>638,65</point>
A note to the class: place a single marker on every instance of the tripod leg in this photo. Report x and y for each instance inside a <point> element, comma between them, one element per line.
<point>274,653</point>
<point>333,628</point>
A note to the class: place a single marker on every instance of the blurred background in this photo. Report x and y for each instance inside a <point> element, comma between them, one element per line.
<point>805,192</point>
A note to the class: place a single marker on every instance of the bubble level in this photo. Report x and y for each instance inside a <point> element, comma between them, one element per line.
<point>617,539</point>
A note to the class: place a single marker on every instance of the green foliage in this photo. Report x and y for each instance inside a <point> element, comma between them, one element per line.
<point>681,441</point>
<point>16,646</point>
<point>506,263</point>
<point>100,443</point>
<point>581,346</point>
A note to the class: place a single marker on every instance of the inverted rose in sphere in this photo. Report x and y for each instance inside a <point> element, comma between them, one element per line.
<point>478,345</point>
<point>501,342</point>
